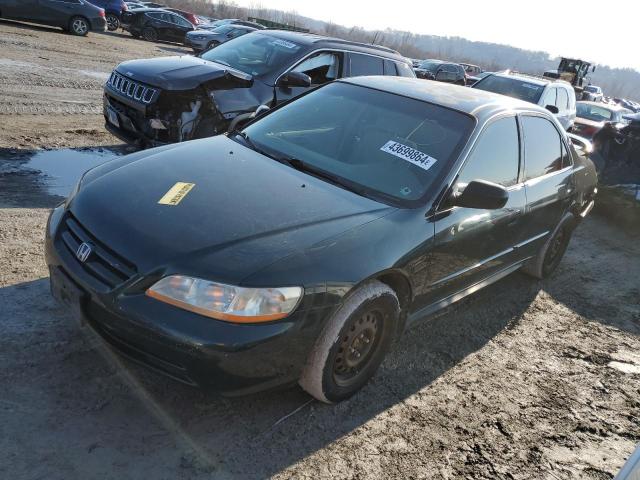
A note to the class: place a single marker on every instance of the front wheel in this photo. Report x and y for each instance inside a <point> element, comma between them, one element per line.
<point>352,344</point>
<point>113,22</point>
<point>150,34</point>
<point>79,26</point>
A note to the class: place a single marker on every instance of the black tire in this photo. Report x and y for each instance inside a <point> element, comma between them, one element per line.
<point>150,34</point>
<point>550,255</point>
<point>113,22</point>
<point>79,26</point>
<point>352,344</point>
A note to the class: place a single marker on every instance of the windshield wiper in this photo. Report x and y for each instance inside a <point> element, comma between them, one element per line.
<point>301,166</point>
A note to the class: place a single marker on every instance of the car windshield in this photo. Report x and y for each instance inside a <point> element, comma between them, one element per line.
<point>430,66</point>
<point>591,89</point>
<point>593,112</point>
<point>254,53</point>
<point>512,87</point>
<point>223,28</point>
<point>379,144</point>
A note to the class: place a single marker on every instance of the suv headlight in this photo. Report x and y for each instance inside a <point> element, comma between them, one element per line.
<point>226,302</point>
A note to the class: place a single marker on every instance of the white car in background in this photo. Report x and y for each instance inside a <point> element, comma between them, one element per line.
<point>592,93</point>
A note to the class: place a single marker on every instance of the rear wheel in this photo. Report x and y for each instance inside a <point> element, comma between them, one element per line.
<point>79,26</point>
<point>150,34</point>
<point>352,344</point>
<point>551,253</point>
<point>113,22</point>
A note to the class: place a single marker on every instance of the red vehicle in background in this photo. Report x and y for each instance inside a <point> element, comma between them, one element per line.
<point>192,17</point>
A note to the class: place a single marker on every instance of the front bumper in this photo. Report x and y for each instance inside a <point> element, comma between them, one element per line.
<point>132,123</point>
<point>195,44</point>
<point>229,358</point>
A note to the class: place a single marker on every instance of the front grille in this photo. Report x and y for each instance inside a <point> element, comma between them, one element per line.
<point>102,265</point>
<point>132,89</point>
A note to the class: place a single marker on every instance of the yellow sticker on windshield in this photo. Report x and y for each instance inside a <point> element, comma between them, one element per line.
<point>176,193</point>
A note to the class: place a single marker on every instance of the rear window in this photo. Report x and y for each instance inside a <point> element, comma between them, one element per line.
<point>365,65</point>
<point>389,147</point>
<point>512,87</point>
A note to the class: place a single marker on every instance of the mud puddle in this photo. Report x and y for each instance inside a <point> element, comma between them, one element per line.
<point>42,178</point>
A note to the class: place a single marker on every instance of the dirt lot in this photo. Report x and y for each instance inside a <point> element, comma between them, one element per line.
<point>524,380</point>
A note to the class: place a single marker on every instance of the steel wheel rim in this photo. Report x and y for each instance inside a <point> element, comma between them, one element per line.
<point>555,249</point>
<point>357,347</point>
<point>80,26</point>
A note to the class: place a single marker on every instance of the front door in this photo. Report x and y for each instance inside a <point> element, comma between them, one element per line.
<point>472,244</point>
<point>321,67</point>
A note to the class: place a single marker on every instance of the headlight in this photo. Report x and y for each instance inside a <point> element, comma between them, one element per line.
<point>226,302</point>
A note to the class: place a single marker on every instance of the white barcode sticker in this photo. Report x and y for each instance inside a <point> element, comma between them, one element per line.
<point>283,43</point>
<point>418,158</point>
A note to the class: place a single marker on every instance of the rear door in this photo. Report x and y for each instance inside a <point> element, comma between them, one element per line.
<point>548,179</point>
<point>472,244</point>
<point>19,9</point>
<point>322,67</point>
<point>180,27</point>
<point>56,12</point>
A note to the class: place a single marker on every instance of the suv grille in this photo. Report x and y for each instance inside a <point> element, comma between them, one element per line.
<point>132,89</point>
<point>102,265</point>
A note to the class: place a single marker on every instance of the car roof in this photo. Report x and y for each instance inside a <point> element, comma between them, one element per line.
<point>602,105</point>
<point>475,102</point>
<point>312,39</point>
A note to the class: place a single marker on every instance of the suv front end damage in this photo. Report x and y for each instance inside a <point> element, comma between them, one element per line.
<point>154,111</point>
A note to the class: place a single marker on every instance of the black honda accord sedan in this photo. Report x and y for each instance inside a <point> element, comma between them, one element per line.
<point>299,248</point>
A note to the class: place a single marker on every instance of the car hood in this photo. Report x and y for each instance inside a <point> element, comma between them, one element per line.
<point>180,73</point>
<point>591,123</point>
<point>244,212</point>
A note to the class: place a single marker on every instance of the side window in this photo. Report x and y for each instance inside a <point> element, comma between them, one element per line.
<point>550,97</point>
<point>563,100</point>
<point>390,68</point>
<point>365,65</point>
<point>322,68</point>
<point>496,155</point>
<point>542,146</point>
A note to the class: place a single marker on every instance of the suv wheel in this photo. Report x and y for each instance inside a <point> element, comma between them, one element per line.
<point>113,22</point>
<point>79,26</point>
<point>549,257</point>
<point>352,344</point>
<point>150,34</point>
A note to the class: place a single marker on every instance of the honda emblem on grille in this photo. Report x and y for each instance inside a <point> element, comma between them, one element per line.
<point>83,252</point>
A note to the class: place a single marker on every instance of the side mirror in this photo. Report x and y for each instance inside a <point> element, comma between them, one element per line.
<point>483,195</point>
<point>553,109</point>
<point>295,79</point>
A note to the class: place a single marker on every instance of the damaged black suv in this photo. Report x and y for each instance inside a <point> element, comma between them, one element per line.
<point>172,99</point>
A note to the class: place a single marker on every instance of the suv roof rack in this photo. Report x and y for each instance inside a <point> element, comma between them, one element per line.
<point>357,44</point>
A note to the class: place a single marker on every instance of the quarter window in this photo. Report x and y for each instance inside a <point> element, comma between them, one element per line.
<point>390,68</point>
<point>365,65</point>
<point>550,97</point>
<point>321,68</point>
<point>496,156</point>
<point>543,151</point>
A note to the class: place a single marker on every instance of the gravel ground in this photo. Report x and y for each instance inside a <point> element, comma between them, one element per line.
<point>523,380</point>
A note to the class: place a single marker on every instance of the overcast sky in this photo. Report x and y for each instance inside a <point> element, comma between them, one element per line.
<point>587,29</point>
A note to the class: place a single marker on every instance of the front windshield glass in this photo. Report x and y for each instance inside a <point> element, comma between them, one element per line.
<point>255,53</point>
<point>592,89</point>
<point>383,145</point>
<point>223,29</point>
<point>593,112</point>
<point>512,87</point>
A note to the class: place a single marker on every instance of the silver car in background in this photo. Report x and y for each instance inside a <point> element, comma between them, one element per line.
<point>204,39</point>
